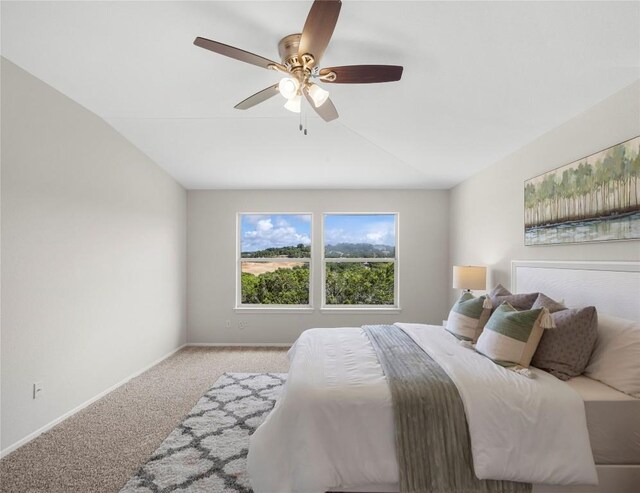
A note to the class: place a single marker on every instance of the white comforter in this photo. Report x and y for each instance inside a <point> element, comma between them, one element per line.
<point>333,427</point>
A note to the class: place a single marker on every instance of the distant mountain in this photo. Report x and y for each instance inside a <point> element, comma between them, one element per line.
<point>359,250</point>
<point>339,250</point>
<point>298,251</point>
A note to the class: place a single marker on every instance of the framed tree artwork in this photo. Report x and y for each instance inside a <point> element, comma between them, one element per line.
<point>596,198</point>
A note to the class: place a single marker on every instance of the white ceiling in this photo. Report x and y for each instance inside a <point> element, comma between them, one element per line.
<point>481,79</point>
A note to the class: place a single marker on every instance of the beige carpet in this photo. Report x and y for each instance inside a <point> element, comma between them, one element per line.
<point>99,448</point>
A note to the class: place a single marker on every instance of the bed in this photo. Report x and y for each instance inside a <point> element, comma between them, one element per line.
<point>333,430</point>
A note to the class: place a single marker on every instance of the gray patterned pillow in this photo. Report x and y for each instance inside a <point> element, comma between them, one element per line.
<point>543,301</point>
<point>564,351</point>
<point>522,301</point>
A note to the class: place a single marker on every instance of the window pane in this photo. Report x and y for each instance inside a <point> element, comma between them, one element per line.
<point>365,283</point>
<point>275,235</point>
<point>360,235</point>
<point>275,283</point>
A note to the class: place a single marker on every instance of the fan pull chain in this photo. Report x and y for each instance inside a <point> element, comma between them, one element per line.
<point>300,126</point>
<point>303,118</point>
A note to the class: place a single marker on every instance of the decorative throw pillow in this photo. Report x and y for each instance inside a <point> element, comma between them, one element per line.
<point>552,305</point>
<point>468,316</point>
<point>565,351</point>
<point>522,301</point>
<point>615,358</point>
<point>499,290</point>
<point>510,337</point>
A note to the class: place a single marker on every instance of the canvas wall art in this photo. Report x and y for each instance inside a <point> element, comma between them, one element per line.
<point>595,198</point>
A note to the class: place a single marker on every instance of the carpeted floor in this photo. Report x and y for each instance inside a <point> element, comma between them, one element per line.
<point>207,452</point>
<point>102,446</point>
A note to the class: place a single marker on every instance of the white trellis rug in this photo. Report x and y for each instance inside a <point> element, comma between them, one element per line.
<point>208,450</point>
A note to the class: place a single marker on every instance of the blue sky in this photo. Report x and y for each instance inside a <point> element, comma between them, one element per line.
<point>378,229</point>
<point>260,231</point>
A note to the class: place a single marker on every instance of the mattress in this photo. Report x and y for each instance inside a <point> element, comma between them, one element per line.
<point>335,377</point>
<point>613,421</point>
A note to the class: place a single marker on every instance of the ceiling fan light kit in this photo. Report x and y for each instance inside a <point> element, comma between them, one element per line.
<point>289,87</point>
<point>294,104</point>
<point>300,55</point>
<point>318,95</point>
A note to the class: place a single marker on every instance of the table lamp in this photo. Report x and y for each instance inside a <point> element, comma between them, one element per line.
<point>468,277</point>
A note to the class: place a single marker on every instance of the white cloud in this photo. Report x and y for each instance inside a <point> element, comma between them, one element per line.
<point>266,235</point>
<point>338,235</point>
<point>254,218</point>
<point>382,233</point>
<point>266,224</point>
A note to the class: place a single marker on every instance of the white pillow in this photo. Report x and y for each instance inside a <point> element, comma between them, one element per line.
<point>616,357</point>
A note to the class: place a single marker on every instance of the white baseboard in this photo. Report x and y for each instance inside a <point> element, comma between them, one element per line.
<point>240,344</point>
<point>48,426</point>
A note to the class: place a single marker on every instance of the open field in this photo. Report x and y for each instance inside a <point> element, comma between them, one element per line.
<point>257,268</point>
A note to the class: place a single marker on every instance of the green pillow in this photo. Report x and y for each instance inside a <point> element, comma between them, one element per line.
<point>468,316</point>
<point>510,337</point>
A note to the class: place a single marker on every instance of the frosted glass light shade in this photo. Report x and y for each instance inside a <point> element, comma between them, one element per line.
<point>318,95</point>
<point>293,104</point>
<point>288,87</point>
<point>469,277</point>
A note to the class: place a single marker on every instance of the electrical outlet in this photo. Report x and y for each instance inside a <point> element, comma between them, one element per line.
<point>37,390</point>
<point>243,324</point>
<point>227,324</point>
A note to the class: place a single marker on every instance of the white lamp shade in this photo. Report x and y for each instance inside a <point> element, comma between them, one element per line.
<point>293,104</point>
<point>469,277</point>
<point>288,87</point>
<point>318,95</point>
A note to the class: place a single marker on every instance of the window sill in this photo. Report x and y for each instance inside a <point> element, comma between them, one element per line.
<point>276,309</point>
<point>364,309</point>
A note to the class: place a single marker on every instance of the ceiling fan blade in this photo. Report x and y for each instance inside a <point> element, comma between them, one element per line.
<point>318,28</point>
<point>327,111</point>
<point>236,53</point>
<point>258,98</point>
<point>361,74</point>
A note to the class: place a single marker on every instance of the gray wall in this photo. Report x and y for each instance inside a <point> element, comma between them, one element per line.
<point>93,256</point>
<point>423,247</point>
<point>487,210</point>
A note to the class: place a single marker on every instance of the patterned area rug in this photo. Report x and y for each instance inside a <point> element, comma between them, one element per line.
<point>208,450</point>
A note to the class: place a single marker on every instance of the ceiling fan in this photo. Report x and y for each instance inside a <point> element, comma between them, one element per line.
<point>300,55</point>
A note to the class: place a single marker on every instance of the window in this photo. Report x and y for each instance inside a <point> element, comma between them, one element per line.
<point>360,263</point>
<point>274,256</point>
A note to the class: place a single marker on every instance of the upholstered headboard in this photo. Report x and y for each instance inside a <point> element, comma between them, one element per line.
<point>612,287</point>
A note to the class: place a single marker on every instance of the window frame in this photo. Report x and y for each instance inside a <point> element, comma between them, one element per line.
<point>395,308</point>
<point>271,308</point>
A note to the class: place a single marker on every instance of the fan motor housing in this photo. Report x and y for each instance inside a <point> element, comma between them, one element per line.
<point>288,49</point>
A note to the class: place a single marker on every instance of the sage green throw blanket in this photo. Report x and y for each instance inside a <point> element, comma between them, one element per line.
<point>433,447</point>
